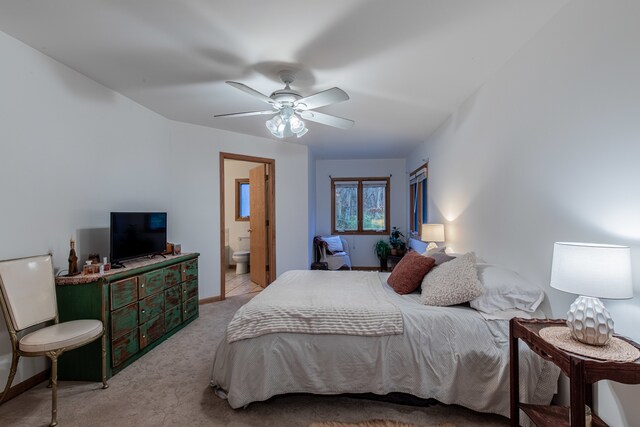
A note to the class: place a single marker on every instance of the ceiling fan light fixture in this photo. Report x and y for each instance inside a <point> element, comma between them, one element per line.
<point>286,124</point>
<point>276,126</point>
<point>297,125</point>
<point>302,132</point>
<point>290,107</point>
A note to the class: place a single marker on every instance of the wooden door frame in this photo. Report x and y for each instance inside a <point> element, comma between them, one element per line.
<point>271,214</point>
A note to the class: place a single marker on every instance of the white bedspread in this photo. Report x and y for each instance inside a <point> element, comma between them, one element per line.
<point>451,354</point>
<point>325,302</point>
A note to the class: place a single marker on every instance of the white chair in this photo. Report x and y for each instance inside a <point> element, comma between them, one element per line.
<point>338,259</point>
<point>28,298</point>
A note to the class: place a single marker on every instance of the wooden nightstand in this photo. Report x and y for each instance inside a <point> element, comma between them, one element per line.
<point>581,370</point>
<point>393,260</point>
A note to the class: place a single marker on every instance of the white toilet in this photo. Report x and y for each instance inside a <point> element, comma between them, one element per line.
<point>242,261</point>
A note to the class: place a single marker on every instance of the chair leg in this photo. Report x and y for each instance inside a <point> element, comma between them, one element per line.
<point>104,362</point>
<point>12,374</point>
<point>54,388</point>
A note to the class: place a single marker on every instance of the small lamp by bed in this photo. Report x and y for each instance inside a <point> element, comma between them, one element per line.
<point>592,271</point>
<point>432,233</point>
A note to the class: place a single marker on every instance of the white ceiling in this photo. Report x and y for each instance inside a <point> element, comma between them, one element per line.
<point>406,64</point>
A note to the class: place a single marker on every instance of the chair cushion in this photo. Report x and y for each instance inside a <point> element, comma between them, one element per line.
<point>335,262</point>
<point>62,335</point>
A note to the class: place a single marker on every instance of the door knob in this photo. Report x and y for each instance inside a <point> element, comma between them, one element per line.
<point>250,230</point>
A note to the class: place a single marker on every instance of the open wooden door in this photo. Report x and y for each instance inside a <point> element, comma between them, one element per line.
<point>258,225</point>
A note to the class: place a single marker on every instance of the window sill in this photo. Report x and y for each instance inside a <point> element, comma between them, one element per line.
<point>363,233</point>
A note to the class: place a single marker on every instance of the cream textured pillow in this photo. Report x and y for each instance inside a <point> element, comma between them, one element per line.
<point>453,282</point>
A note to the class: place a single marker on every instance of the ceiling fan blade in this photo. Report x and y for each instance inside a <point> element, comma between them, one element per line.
<point>246,114</point>
<point>320,99</point>
<point>262,97</point>
<point>327,119</point>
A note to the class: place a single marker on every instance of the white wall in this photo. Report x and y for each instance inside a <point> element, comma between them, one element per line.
<point>235,169</point>
<point>311,194</point>
<point>362,254</point>
<point>548,151</point>
<point>196,209</point>
<point>71,151</point>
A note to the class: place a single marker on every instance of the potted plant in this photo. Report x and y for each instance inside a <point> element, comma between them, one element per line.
<point>396,240</point>
<point>382,250</point>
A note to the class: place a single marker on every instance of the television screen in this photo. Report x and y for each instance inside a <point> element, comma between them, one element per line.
<point>137,234</point>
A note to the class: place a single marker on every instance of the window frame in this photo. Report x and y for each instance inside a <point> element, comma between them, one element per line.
<point>360,231</point>
<point>239,182</point>
<point>422,211</point>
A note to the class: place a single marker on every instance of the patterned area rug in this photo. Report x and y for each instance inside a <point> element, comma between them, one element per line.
<point>377,423</point>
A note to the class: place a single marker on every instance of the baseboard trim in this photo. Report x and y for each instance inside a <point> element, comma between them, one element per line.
<point>366,268</point>
<point>210,300</point>
<point>28,383</point>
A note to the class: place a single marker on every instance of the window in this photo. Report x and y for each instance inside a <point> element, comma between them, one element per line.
<point>360,205</point>
<point>242,200</point>
<point>418,200</point>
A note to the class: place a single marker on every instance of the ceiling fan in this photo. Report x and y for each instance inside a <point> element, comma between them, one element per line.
<point>290,106</point>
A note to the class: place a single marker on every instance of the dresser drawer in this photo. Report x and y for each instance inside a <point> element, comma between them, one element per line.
<point>172,275</point>
<point>124,347</point>
<point>190,270</point>
<point>150,283</point>
<point>123,292</point>
<point>151,331</point>
<point>123,320</point>
<point>172,297</point>
<point>150,307</point>
<point>173,317</point>
<point>189,289</point>
<point>190,308</point>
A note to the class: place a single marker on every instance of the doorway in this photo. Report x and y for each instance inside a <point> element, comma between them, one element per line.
<point>247,224</point>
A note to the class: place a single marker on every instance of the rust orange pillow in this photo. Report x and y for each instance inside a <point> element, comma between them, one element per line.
<point>407,275</point>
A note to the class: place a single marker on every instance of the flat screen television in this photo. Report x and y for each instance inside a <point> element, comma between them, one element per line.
<point>137,234</point>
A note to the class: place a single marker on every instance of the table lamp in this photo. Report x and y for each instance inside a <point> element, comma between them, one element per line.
<point>592,271</point>
<point>432,233</point>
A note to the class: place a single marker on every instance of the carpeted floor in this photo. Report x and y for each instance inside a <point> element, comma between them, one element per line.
<point>170,387</point>
<point>373,423</point>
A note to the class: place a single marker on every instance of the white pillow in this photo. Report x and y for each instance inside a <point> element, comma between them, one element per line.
<point>335,244</point>
<point>505,290</point>
<point>451,283</point>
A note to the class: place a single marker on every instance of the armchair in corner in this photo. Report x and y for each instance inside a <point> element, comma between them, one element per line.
<point>334,250</point>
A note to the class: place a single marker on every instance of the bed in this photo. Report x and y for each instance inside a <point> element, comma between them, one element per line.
<point>455,355</point>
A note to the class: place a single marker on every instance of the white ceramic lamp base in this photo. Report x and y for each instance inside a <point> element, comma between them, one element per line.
<point>432,245</point>
<point>589,321</point>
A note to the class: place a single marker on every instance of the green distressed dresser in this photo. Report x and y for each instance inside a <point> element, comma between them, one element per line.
<point>141,306</point>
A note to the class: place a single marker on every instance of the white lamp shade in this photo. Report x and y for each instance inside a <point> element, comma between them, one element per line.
<point>601,271</point>
<point>432,232</point>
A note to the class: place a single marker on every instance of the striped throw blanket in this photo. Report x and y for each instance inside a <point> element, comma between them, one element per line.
<point>319,302</point>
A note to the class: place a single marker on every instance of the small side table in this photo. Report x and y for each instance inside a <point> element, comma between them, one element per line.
<point>582,371</point>
<point>392,260</point>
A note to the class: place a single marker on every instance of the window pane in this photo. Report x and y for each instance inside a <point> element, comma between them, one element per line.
<point>424,202</point>
<point>346,207</point>
<point>374,207</point>
<point>244,200</point>
<point>414,207</point>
